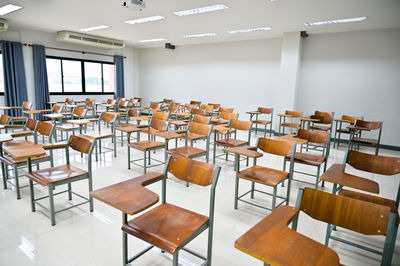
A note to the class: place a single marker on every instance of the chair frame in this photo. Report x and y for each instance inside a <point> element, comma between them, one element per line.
<point>270,122</point>
<point>209,225</point>
<point>288,112</point>
<point>339,130</point>
<point>353,133</point>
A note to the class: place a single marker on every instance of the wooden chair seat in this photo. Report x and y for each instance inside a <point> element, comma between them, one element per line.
<point>22,133</point>
<point>145,145</point>
<point>166,226</point>
<point>306,158</point>
<point>291,125</point>
<point>152,130</point>
<point>186,151</point>
<point>271,238</point>
<point>9,160</point>
<point>321,128</point>
<point>193,136</point>
<point>231,142</point>
<point>261,122</point>
<point>343,131</point>
<point>55,174</point>
<point>373,142</point>
<point>335,174</point>
<point>98,135</point>
<point>18,117</point>
<point>263,175</point>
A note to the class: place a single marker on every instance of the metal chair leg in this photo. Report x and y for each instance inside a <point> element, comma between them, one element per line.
<point>51,201</point>
<point>17,181</point>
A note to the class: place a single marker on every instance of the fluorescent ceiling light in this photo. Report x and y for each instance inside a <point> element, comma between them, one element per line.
<point>201,10</point>
<point>101,27</point>
<point>199,35</point>
<point>152,40</point>
<point>249,30</point>
<point>143,20</point>
<point>336,21</point>
<point>8,9</point>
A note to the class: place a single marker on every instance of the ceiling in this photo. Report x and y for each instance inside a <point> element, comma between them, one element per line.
<point>281,15</point>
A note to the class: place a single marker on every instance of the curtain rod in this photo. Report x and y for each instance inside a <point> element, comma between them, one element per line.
<point>71,50</point>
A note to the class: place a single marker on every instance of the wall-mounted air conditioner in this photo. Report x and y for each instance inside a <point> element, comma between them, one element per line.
<point>91,40</point>
<point>3,25</point>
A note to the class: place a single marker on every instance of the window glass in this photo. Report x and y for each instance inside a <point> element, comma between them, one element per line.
<point>54,74</point>
<point>93,77</point>
<point>72,76</point>
<point>109,77</point>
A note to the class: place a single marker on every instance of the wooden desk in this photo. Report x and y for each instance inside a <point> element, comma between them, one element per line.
<point>246,151</point>
<point>292,138</point>
<point>308,120</point>
<point>272,242</point>
<point>129,130</point>
<point>79,122</point>
<point>6,108</point>
<point>34,113</point>
<point>168,135</point>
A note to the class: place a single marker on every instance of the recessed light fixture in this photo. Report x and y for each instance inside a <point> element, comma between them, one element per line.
<point>199,35</point>
<point>143,20</point>
<point>336,21</point>
<point>201,10</point>
<point>8,9</point>
<point>152,40</point>
<point>101,27</point>
<point>249,30</point>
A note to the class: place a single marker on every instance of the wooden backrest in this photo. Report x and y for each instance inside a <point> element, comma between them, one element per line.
<point>324,117</point>
<point>160,115</point>
<point>313,136</point>
<point>228,115</point>
<point>3,119</point>
<point>202,119</point>
<point>216,106</point>
<point>294,113</point>
<point>26,105</point>
<point>158,124</point>
<point>138,99</point>
<point>80,144</point>
<point>377,164</point>
<point>192,171</point>
<point>31,124</point>
<point>226,110</point>
<point>132,112</point>
<point>155,106</point>
<point>110,101</point>
<point>189,106</point>
<point>79,111</point>
<point>198,128</point>
<point>172,108</point>
<point>44,128</point>
<point>175,104</point>
<point>167,101</point>
<point>356,215</point>
<point>369,124</point>
<point>265,110</point>
<point>277,147</point>
<point>352,119</point>
<point>240,125</point>
<point>196,111</point>
<point>89,102</point>
<point>68,101</point>
<point>123,103</point>
<point>57,109</point>
<point>207,107</point>
<point>108,117</point>
<point>195,102</point>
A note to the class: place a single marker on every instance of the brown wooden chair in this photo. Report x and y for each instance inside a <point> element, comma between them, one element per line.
<point>264,175</point>
<point>216,106</point>
<point>68,101</point>
<point>224,118</point>
<point>268,112</point>
<point>28,130</point>
<point>234,126</point>
<point>63,174</point>
<point>202,119</point>
<point>138,101</point>
<point>195,103</point>
<point>339,129</point>
<point>196,111</point>
<point>78,113</point>
<point>195,132</point>
<point>375,164</point>
<point>294,116</point>
<point>226,110</point>
<point>26,106</point>
<point>316,160</point>
<point>275,244</point>
<point>6,122</point>
<point>356,131</point>
<point>109,119</point>
<point>325,121</point>
<point>161,115</point>
<point>146,146</point>
<point>170,227</point>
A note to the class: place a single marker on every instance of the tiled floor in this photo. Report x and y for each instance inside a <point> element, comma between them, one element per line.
<point>84,238</point>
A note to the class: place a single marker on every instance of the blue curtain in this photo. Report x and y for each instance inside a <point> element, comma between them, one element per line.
<point>14,75</point>
<point>119,76</point>
<point>40,72</point>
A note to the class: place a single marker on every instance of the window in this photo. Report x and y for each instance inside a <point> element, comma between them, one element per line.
<point>1,76</point>
<point>76,76</point>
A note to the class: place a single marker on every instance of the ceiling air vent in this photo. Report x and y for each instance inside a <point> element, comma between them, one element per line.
<point>91,40</point>
<point>3,25</point>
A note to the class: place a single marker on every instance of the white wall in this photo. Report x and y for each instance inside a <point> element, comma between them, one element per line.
<point>49,39</point>
<point>243,75</point>
<point>354,73</point>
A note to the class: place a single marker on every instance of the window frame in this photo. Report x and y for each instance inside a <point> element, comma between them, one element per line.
<point>1,58</point>
<point>82,61</point>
